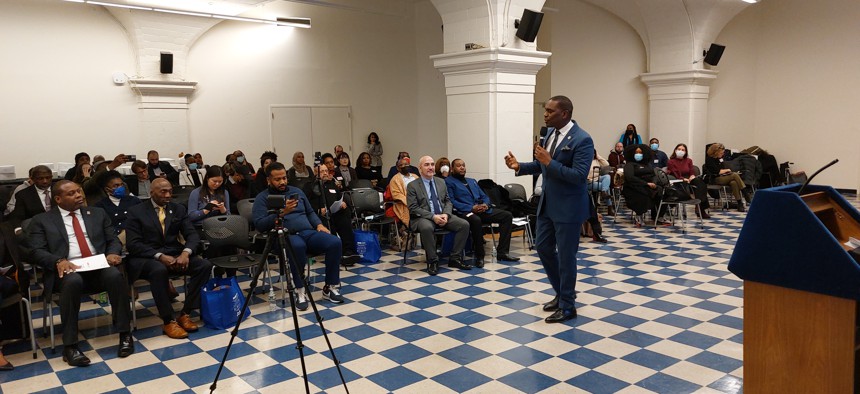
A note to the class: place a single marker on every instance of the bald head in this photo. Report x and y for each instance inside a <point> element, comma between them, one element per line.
<point>427,167</point>
<point>161,191</point>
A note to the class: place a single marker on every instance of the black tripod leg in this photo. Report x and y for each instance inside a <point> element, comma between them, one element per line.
<point>287,250</point>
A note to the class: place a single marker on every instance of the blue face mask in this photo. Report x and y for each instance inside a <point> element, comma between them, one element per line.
<point>192,166</point>
<point>119,192</point>
<point>240,159</point>
<point>637,156</point>
<point>655,146</point>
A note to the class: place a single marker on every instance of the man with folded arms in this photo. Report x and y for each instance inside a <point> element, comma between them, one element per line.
<point>152,231</point>
<point>68,232</point>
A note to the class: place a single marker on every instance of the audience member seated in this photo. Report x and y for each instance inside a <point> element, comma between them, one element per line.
<point>394,170</point>
<point>397,186</point>
<point>660,160</point>
<point>243,164</point>
<point>140,186</point>
<point>715,173</point>
<point>307,234</point>
<point>345,173</point>
<point>443,167</point>
<point>84,172</point>
<point>630,136</point>
<point>192,174</point>
<point>80,159</point>
<point>209,199</point>
<point>14,281</point>
<point>601,183</point>
<point>266,158</point>
<point>160,169</point>
<point>237,187</point>
<point>199,159</point>
<point>640,189</point>
<point>331,205</point>
<point>117,203</point>
<point>329,161</point>
<point>34,199</point>
<point>72,231</point>
<point>681,167</point>
<point>337,151</point>
<point>430,208</point>
<point>364,169</point>
<point>374,149</point>
<point>93,190</point>
<point>152,234</point>
<point>300,175</point>
<point>471,203</point>
<point>616,156</point>
<point>10,206</point>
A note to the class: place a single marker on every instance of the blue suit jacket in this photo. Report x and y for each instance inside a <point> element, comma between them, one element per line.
<point>465,197</point>
<point>564,179</point>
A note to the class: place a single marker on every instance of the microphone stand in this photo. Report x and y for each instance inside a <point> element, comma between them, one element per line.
<point>799,191</point>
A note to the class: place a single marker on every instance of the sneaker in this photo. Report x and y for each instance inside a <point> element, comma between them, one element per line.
<point>301,300</point>
<point>332,294</point>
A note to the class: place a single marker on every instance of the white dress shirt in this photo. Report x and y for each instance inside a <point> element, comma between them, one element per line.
<point>74,248</point>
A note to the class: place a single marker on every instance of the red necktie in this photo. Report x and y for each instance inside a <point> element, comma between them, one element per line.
<point>79,235</point>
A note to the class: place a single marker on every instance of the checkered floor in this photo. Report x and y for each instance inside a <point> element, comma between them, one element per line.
<point>658,312</point>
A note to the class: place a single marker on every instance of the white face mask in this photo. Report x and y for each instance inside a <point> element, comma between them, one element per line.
<point>680,154</point>
<point>444,169</point>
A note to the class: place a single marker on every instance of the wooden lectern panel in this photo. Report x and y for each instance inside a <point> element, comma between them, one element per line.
<point>797,341</point>
<point>841,224</point>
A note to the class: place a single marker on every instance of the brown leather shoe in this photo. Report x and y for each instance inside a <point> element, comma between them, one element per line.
<point>173,330</point>
<point>185,322</point>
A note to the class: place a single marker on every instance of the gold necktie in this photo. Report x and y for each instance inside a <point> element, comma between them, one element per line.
<point>161,218</point>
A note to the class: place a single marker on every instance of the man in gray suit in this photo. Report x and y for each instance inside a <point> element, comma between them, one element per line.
<point>70,231</point>
<point>431,209</point>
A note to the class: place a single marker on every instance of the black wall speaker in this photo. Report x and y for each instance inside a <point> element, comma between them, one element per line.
<point>166,63</point>
<point>715,52</point>
<point>528,26</point>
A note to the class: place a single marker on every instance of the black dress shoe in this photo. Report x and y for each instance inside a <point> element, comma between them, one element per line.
<point>7,367</point>
<point>597,238</point>
<point>349,259</point>
<point>561,315</point>
<point>459,264</point>
<point>551,306</point>
<point>126,345</point>
<point>479,262</point>
<point>507,257</point>
<point>73,356</point>
<point>433,267</point>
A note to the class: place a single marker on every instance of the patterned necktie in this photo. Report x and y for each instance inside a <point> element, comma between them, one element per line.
<point>434,198</point>
<point>554,143</point>
<point>47,200</point>
<point>79,235</point>
<point>161,217</point>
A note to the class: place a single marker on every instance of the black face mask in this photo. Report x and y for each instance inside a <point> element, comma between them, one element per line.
<point>404,170</point>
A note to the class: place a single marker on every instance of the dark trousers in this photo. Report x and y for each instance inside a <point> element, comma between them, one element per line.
<point>315,242</point>
<point>157,275</point>
<point>426,227</point>
<point>593,220</point>
<point>76,284</point>
<point>341,225</point>
<point>500,216</point>
<point>557,244</point>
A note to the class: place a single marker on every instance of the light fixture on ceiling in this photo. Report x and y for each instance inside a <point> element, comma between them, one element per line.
<point>291,22</point>
<point>750,1</point>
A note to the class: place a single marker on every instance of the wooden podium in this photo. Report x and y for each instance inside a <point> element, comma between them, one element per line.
<point>801,288</point>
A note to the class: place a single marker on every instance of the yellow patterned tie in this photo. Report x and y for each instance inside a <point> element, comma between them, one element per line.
<point>161,218</point>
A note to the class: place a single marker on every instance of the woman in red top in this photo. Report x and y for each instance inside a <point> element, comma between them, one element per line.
<point>681,167</point>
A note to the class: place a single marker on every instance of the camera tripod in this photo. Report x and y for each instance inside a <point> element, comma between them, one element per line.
<point>285,256</point>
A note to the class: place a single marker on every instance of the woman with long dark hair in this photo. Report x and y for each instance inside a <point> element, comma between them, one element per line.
<point>680,166</point>
<point>209,199</point>
<point>374,148</point>
<point>363,169</point>
<point>630,136</point>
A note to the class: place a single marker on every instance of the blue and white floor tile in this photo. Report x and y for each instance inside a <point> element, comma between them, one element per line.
<point>658,312</point>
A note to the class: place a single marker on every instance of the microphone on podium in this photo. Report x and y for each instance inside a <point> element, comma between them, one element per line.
<point>799,191</point>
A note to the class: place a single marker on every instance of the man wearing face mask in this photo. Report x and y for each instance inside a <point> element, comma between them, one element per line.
<point>473,205</point>
<point>117,202</point>
<point>193,173</point>
<point>660,160</point>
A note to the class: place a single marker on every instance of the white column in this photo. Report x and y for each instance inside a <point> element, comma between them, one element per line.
<point>678,110</point>
<point>490,108</point>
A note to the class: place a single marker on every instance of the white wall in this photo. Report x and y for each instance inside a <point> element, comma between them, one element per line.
<point>596,61</point>
<point>57,96</point>
<point>788,83</point>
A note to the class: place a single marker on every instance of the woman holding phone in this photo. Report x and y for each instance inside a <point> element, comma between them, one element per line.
<point>209,199</point>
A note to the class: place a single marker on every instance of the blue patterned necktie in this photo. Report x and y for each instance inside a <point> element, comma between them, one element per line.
<point>434,199</point>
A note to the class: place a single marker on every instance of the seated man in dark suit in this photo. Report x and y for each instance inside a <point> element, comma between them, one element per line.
<point>307,233</point>
<point>34,199</point>
<point>339,221</point>
<point>72,231</point>
<point>471,204</point>
<point>118,201</point>
<point>161,169</point>
<point>430,208</point>
<point>152,239</point>
<point>139,183</point>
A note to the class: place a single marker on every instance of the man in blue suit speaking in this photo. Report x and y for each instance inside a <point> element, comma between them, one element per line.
<point>563,160</point>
